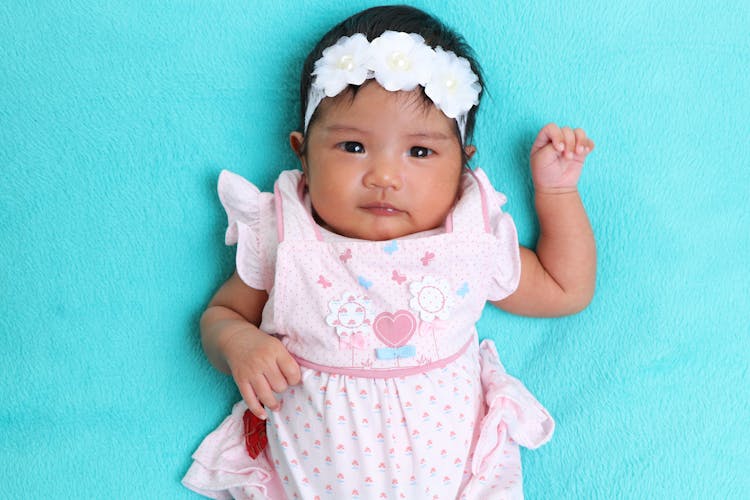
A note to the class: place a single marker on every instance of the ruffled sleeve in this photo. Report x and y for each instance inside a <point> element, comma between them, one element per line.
<point>507,271</point>
<point>250,225</point>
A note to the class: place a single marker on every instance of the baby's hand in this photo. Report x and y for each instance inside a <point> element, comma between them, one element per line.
<point>260,366</point>
<point>557,158</point>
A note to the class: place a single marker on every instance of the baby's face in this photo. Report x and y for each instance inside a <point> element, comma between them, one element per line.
<point>382,165</point>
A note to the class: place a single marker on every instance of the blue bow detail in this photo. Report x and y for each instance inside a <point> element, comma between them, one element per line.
<point>386,353</point>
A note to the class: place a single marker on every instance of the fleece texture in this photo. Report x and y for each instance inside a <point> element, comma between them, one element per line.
<point>116,118</point>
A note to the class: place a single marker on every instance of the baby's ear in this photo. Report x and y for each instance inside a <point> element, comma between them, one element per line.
<point>297,141</point>
<point>469,151</point>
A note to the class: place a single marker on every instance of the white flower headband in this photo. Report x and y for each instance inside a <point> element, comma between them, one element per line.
<point>398,61</point>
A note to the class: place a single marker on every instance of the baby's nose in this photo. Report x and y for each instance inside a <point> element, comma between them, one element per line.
<point>384,173</point>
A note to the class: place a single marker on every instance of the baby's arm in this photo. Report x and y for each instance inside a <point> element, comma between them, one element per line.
<point>258,362</point>
<point>559,277</point>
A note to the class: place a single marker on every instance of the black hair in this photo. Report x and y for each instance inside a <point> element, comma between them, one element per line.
<point>372,23</point>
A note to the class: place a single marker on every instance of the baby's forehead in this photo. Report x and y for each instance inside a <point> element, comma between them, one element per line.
<point>351,99</point>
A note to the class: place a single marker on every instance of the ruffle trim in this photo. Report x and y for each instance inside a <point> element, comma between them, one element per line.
<point>508,259</point>
<point>241,201</point>
<point>247,210</point>
<point>512,413</point>
<point>222,468</point>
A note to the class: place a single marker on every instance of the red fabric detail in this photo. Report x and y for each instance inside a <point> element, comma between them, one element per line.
<point>255,434</point>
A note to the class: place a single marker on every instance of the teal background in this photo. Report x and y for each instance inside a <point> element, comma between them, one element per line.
<point>116,117</point>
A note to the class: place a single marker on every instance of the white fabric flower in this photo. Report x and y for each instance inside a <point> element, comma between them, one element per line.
<point>400,61</point>
<point>351,315</point>
<point>431,298</point>
<point>453,86</point>
<point>397,61</point>
<point>342,64</point>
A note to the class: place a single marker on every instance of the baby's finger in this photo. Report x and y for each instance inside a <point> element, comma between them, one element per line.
<point>248,395</point>
<point>265,393</point>
<point>570,141</point>
<point>290,369</point>
<point>550,134</point>
<point>277,381</point>
<point>583,143</point>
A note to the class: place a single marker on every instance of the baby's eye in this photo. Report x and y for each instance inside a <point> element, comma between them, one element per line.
<point>352,147</point>
<point>420,152</point>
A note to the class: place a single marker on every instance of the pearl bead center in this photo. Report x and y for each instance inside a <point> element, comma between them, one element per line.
<point>398,61</point>
<point>346,63</point>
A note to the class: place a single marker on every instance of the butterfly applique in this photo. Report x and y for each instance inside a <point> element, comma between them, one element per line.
<point>364,282</point>
<point>398,277</point>
<point>428,256</point>
<point>391,247</point>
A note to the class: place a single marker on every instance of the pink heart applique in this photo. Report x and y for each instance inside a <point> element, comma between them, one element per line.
<point>395,329</point>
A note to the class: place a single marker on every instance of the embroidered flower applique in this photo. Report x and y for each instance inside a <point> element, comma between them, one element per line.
<point>352,317</point>
<point>431,298</point>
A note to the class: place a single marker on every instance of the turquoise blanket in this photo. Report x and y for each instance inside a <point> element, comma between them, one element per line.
<point>116,117</point>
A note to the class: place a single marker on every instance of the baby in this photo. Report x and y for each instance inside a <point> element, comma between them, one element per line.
<point>349,324</point>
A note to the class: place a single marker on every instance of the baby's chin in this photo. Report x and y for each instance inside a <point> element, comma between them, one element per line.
<point>377,234</point>
<point>369,235</point>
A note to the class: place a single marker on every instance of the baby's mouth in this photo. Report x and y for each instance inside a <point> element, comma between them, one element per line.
<point>379,208</point>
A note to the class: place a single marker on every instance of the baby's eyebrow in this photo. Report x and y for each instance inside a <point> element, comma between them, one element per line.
<point>346,129</point>
<point>433,135</point>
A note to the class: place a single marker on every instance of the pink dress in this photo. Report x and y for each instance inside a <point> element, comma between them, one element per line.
<point>398,398</point>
